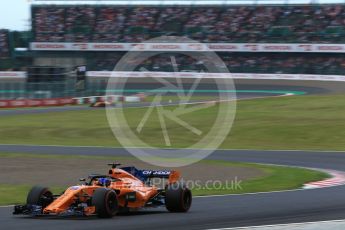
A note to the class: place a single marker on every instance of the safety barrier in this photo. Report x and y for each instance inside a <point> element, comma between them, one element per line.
<point>108,74</point>
<point>110,98</point>
<point>311,77</point>
<point>20,103</point>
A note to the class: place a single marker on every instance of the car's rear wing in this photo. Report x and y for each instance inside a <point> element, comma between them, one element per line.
<point>144,174</point>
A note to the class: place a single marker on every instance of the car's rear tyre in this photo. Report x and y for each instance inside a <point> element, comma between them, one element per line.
<point>178,198</point>
<point>40,196</point>
<point>105,202</point>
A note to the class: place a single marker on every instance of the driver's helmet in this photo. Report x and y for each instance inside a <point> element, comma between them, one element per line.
<point>104,181</point>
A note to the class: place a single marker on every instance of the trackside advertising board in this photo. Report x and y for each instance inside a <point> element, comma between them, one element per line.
<point>215,47</point>
<point>36,102</point>
<point>12,75</point>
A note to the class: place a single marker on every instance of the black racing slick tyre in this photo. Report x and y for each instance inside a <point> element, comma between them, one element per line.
<point>40,196</point>
<point>178,198</point>
<point>105,202</point>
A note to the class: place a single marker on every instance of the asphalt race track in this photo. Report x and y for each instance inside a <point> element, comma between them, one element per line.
<point>206,212</point>
<point>209,212</point>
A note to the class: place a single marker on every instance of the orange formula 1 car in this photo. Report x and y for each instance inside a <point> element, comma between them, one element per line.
<point>123,189</point>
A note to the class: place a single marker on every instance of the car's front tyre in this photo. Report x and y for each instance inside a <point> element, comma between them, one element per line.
<point>40,196</point>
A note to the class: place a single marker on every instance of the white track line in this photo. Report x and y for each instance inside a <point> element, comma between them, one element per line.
<point>6,206</point>
<point>281,225</point>
<point>203,102</point>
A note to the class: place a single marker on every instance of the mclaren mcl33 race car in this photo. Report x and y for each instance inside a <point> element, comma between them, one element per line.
<point>123,189</point>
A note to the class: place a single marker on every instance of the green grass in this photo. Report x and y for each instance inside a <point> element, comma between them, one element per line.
<point>16,194</point>
<point>275,178</point>
<point>298,122</point>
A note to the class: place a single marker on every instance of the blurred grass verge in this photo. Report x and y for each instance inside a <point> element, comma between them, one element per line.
<point>289,123</point>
